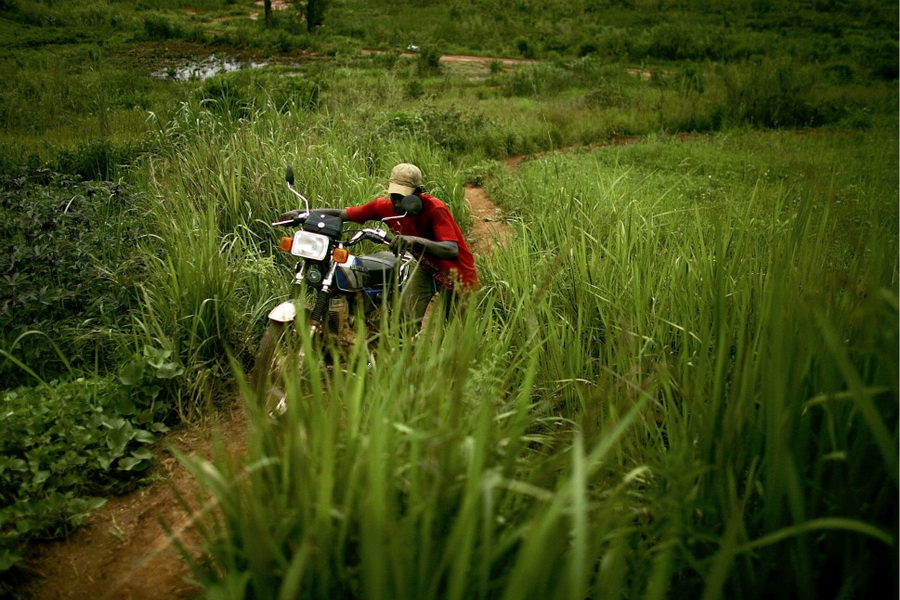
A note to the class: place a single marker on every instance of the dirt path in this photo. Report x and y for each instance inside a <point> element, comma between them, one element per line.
<point>122,552</point>
<point>488,228</point>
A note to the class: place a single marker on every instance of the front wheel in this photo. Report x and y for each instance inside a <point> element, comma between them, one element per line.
<point>278,350</point>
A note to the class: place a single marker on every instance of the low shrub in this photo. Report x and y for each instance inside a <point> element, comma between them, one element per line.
<point>240,95</point>
<point>428,62</point>
<point>98,159</point>
<point>224,95</point>
<point>607,94</point>
<point>451,129</point>
<point>158,27</point>
<point>288,93</point>
<point>64,445</point>
<point>770,93</point>
<point>65,268</point>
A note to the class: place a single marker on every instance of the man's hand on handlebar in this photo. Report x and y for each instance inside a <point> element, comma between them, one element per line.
<point>402,243</point>
<point>418,245</point>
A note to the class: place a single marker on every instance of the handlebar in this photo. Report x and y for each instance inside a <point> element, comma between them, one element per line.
<point>377,236</point>
<point>287,223</point>
<point>292,222</point>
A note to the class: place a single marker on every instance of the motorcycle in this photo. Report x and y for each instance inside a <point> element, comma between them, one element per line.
<point>331,289</point>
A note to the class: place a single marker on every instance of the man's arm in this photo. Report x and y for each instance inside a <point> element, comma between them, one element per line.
<point>418,245</point>
<point>334,212</point>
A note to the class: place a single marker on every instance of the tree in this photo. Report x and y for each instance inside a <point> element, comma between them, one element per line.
<point>315,14</point>
<point>268,5</point>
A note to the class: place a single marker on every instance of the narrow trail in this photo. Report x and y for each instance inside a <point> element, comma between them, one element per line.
<point>488,227</point>
<point>122,551</point>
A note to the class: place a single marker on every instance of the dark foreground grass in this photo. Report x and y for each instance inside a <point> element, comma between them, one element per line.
<point>678,381</point>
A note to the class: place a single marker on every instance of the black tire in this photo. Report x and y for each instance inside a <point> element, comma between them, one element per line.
<point>265,378</point>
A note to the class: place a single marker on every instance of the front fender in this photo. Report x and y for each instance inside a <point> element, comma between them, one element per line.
<point>285,312</point>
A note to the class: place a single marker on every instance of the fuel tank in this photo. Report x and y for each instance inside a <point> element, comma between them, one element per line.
<point>366,272</point>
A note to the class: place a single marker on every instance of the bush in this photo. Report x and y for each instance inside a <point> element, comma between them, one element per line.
<point>60,247</point>
<point>772,93</point>
<point>525,49</point>
<point>451,129</point>
<point>61,446</point>
<point>157,27</point>
<point>288,93</point>
<point>885,63</point>
<point>240,95</point>
<point>414,89</point>
<point>607,95</point>
<point>97,159</point>
<point>428,62</point>
<point>225,96</point>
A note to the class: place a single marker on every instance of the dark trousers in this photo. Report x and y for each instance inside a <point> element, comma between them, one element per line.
<point>418,292</point>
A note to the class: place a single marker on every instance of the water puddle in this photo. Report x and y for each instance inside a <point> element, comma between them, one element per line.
<point>204,69</point>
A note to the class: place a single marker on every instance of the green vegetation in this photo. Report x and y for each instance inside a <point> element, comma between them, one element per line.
<point>679,378</point>
<point>658,393</point>
<point>81,72</point>
<point>66,444</point>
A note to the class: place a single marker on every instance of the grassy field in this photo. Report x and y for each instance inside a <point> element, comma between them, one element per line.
<point>678,380</point>
<point>662,390</point>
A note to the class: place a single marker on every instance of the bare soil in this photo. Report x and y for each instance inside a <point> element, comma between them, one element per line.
<point>123,551</point>
<point>488,227</point>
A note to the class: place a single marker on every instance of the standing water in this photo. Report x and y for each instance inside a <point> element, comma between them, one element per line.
<point>203,69</point>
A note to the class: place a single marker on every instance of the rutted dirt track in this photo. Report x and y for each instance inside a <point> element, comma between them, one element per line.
<point>123,552</point>
<point>488,227</point>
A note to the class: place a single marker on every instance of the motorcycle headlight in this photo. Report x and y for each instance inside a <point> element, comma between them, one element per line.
<point>310,245</point>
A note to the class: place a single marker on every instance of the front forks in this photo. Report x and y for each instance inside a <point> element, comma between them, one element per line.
<point>286,312</point>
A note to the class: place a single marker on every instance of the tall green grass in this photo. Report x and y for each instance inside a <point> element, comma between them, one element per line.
<point>680,376</point>
<point>679,380</point>
<point>210,273</point>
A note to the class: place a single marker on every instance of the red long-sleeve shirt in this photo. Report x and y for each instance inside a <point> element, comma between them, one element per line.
<point>434,223</point>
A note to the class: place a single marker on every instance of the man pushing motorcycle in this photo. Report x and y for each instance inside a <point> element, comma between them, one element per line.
<point>446,265</point>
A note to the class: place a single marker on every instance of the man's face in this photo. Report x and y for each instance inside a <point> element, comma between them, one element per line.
<point>395,200</point>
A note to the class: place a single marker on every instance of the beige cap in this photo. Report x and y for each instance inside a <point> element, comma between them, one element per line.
<point>405,178</point>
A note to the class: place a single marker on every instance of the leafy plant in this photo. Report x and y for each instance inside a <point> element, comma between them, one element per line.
<point>66,445</point>
<point>66,269</point>
<point>147,374</point>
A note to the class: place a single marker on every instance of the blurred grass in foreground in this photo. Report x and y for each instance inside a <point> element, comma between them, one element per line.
<point>679,380</point>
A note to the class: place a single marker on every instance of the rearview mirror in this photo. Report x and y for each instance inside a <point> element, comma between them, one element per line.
<point>411,205</point>
<point>290,175</point>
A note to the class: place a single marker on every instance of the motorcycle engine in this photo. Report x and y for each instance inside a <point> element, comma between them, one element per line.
<point>338,314</point>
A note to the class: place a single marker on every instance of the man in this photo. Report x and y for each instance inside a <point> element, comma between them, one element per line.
<point>432,235</point>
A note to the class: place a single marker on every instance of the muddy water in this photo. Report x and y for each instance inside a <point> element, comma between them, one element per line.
<point>204,69</point>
